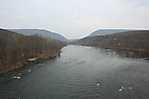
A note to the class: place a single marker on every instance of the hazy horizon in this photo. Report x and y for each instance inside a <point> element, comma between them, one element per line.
<point>74,18</point>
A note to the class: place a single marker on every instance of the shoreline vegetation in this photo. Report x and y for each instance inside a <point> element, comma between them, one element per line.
<point>17,50</point>
<point>134,42</point>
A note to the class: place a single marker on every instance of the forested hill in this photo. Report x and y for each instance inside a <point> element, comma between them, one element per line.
<point>17,49</point>
<point>137,40</point>
<point>40,32</point>
<point>101,32</point>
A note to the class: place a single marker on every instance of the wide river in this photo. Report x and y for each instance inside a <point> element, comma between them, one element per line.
<point>80,73</point>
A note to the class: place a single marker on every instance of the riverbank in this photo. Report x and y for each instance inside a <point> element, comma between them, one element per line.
<point>125,52</point>
<point>132,42</point>
<point>52,54</point>
<point>17,50</point>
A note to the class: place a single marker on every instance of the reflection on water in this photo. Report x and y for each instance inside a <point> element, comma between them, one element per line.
<point>126,53</point>
<point>80,73</point>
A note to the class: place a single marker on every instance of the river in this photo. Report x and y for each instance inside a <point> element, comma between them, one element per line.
<point>80,73</point>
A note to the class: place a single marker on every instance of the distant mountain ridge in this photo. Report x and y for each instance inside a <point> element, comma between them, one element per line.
<point>40,32</point>
<point>107,31</point>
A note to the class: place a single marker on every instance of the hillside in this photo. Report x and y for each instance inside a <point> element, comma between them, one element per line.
<point>42,33</point>
<point>101,32</point>
<point>136,41</point>
<point>16,50</point>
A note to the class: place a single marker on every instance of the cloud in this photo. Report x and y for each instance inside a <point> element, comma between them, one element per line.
<point>74,18</point>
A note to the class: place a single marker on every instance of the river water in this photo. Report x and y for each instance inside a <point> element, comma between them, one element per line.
<point>80,73</point>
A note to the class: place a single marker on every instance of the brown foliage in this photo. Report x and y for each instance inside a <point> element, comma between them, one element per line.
<point>16,48</point>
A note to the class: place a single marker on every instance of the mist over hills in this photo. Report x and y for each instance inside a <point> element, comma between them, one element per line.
<point>40,32</point>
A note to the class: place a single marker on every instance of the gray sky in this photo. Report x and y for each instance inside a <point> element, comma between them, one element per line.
<point>74,18</point>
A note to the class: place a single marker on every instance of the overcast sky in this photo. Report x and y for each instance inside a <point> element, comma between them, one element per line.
<point>74,18</point>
